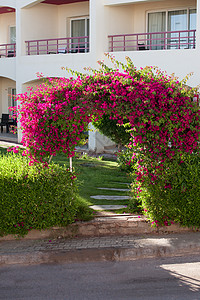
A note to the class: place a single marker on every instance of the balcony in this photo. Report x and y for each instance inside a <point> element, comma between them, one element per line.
<point>58,46</point>
<point>185,39</point>
<point>7,50</point>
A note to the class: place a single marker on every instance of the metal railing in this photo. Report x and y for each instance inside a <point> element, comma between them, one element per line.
<point>184,39</point>
<point>58,46</point>
<point>7,50</point>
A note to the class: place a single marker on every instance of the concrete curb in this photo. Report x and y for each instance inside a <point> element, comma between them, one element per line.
<point>105,238</point>
<point>145,247</point>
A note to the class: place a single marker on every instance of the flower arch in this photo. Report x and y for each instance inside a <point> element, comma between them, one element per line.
<point>161,111</point>
<point>162,114</point>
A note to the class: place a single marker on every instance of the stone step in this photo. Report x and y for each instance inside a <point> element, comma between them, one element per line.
<point>114,189</point>
<point>107,214</point>
<point>127,183</point>
<point>107,207</point>
<point>110,197</point>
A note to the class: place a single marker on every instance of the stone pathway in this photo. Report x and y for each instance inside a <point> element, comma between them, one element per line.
<point>108,197</point>
<point>101,207</point>
<point>107,207</point>
<point>113,189</point>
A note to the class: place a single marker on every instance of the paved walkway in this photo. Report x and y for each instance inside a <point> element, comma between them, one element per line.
<point>111,198</point>
<point>115,248</point>
<point>108,237</point>
<point>8,137</point>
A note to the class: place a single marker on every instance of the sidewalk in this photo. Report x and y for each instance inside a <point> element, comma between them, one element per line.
<point>58,247</point>
<point>8,138</point>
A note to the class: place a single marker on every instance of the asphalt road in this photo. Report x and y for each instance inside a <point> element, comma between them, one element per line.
<point>147,279</point>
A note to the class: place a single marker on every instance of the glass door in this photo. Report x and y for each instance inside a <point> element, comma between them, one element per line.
<point>80,28</point>
<point>11,50</point>
<point>11,98</point>
<point>156,25</point>
<point>192,26</point>
<point>177,21</point>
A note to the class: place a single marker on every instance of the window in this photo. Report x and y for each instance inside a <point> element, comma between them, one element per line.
<point>80,28</point>
<point>11,98</point>
<point>177,20</point>
<point>12,38</point>
<point>192,25</point>
<point>12,34</point>
<point>192,19</point>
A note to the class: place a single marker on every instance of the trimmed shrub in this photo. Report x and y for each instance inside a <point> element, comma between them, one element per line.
<point>33,197</point>
<point>175,195</point>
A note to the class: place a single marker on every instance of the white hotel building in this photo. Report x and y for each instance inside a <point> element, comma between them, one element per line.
<point>45,35</point>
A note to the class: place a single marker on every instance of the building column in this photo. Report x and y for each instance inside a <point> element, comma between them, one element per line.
<point>198,27</point>
<point>98,28</point>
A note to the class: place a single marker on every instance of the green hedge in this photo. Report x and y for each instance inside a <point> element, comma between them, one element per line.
<point>32,198</point>
<point>175,196</point>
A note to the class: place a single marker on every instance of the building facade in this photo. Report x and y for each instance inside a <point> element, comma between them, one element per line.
<point>42,36</point>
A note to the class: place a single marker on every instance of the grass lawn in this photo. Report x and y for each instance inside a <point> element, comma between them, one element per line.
<point>3,150</point>
<point>93,173</point>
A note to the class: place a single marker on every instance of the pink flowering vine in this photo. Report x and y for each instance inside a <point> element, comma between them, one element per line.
<point>162,114</point>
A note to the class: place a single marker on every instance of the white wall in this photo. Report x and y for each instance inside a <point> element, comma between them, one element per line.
<point>68,11</point>
<point>32,84</point>
<point>6,20</point>
<point>198,26</point>
<point>98,28</point>
<point>38,22</point>
<point>119,19</point>
<point>132,18</point>
<point>97,142</point>
<point>27,3</point>
<point>8,3</point>
<point>51,65</point>
<point>8,67</point>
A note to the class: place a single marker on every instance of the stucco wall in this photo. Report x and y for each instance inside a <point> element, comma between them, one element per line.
<point>43,21</point>
<point>66,12</point>
<point>33,84</point>
<point>39,22</point>
<point>119,19</point>
<point>8,3</point>
<point>8,67</point>
<point>127,2</point>
<point>6,20</point>
<point>132,18</point>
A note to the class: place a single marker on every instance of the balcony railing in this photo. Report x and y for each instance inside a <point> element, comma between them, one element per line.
<point>7,50</point>
<point>58,46</point>
<point>185,39</point>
